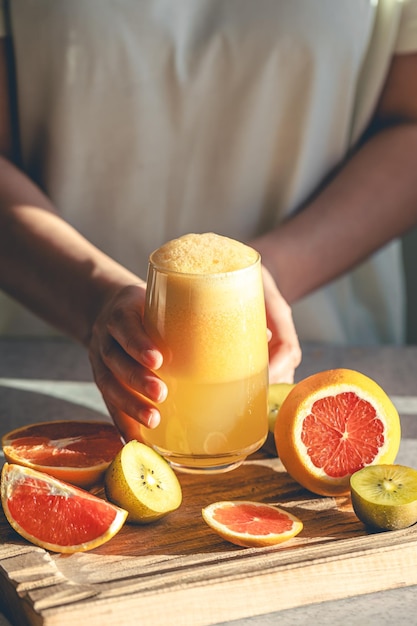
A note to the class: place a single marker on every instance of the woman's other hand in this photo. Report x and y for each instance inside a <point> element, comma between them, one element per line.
<point>284,347</point>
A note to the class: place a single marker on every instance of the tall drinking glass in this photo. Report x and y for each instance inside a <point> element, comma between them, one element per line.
<point>205,311</point>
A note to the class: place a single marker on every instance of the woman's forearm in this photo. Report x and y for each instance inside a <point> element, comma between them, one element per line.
<point>46,264</point>
<point>370,201</point>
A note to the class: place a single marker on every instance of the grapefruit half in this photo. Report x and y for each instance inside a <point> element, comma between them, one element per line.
<point>55,515</point>
<point>331,425</point>
<point>251,524</point>
<point>77,452</point>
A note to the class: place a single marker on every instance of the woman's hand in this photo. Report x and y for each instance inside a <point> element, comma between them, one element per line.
<point>284,348</point>
<point>123,359</point>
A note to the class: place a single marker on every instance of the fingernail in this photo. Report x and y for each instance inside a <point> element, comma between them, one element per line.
<point>152,359</point>
<point>156,390</point>
<point>150,417</point>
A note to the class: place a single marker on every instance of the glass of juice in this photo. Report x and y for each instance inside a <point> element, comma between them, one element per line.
<point>205,310</point>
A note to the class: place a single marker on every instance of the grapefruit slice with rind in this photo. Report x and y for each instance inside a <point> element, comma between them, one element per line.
<point>331,425</point>
<point>77,452</point>
<point>55,515</point>
<point>251,524</point>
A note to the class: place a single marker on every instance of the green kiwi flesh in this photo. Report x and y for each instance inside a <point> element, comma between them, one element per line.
<point>385,496</point>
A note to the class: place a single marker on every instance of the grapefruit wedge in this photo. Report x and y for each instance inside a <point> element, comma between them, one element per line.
<point>55,515</point>
<point>77,452</point>
<point>331,425</point>
<point>251,524</point>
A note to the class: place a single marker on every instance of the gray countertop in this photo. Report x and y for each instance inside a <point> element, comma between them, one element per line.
<point>51,379</point>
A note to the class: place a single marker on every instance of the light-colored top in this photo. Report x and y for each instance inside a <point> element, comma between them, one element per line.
<point>144,120</point>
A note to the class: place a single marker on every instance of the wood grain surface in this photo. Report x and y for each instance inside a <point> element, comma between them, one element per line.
<point>179,567</point>
<point>177,571</point>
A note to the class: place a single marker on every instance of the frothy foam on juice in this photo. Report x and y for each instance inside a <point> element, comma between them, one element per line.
<point>214,293</point>
<point>206,253</point>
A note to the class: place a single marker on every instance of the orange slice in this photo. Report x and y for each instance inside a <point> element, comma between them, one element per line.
<point>251,524</point>
<point>77,452</point>
<point>55,515</point>
<point>331,425</point>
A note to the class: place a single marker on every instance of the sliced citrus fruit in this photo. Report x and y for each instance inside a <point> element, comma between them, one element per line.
<point>385,496</point>
<point>251,524</point>
<point>77,452</point>
<point>332,424</point>
<point>277,392</point>
<point>142,482</point>
<point>55,515</point>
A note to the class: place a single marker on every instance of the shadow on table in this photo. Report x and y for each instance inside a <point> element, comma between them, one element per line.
<point>51,401</point>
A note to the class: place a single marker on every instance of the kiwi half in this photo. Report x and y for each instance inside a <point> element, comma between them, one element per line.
<point>141,479</point>
<point>277,393</point>
<point>385,496</point>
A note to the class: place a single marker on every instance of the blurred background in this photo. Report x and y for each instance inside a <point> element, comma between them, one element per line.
<point>410,260</point>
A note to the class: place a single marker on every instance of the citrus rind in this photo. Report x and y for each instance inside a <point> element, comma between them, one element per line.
<point>16,476</point>
<point>40,447</point>
<point>272,514</point>
<point>297,408</point>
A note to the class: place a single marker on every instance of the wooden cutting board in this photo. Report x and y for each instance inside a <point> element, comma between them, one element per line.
<point>178,571</point>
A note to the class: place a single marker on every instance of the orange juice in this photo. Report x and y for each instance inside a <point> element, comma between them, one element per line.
<point>205,310</point>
